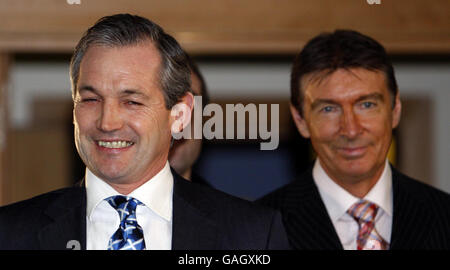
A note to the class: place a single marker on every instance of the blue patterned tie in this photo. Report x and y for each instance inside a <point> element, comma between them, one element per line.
<point>129,236</point>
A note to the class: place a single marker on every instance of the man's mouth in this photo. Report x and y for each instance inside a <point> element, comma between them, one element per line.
<point>352,152</point>
<point>114,144</point>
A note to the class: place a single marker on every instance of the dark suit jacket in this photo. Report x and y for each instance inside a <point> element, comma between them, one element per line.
<point>203,218</point>
<point>196,178</point>
<point>421,215</point>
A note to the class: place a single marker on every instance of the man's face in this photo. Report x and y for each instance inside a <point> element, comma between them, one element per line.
<point>349,118</point>
<point>185,152</point>
<point>122,126</point>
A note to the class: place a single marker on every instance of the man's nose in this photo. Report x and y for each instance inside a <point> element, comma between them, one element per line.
<point>350,125</point>
<point>110,118</point>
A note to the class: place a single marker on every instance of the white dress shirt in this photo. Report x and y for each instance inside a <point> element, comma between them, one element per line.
<point>337,201</point>
<point>155,216</point>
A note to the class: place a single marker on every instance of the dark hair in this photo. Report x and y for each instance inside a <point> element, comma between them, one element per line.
<point>125,30</point>
<point>345,49</point>
<point>203,88</point>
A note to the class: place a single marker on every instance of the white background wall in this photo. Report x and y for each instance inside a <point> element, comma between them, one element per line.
<point>251,80</point>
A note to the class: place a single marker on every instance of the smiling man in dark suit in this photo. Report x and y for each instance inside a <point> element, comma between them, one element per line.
<point>128,79</point>
<point>344,98</point>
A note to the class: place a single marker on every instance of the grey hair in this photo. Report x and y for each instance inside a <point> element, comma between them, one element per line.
<point>126,30</point>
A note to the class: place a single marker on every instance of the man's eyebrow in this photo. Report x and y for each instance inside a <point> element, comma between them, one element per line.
<point>321,101</point>
<point>376,96</point>
<point>129,92</point>
<point>87,88</point>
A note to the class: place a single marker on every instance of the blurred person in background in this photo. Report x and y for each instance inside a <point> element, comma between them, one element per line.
<point>185,152</point>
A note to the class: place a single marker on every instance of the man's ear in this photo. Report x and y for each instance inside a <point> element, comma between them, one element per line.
<point>396,111</point>
<point>180,114</point>
<point>300,122</point>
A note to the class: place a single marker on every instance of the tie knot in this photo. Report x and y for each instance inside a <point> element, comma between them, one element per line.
<point>363,211</point>
<point>124,205</point>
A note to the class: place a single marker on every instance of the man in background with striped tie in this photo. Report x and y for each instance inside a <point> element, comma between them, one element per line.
<point>344,98</point>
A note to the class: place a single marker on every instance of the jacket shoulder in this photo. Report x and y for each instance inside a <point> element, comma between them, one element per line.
<point>30,211</point>
<point>208,198</point>
<point>34,203</point>
<point>423,192</point>
<point>242,224</point>
<point>20,222</point>
<point>283,198</point>
<point>424,208</point>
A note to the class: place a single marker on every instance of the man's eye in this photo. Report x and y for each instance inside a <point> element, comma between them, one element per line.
<point>87,100</point>
<point>368,104</point>
<point>327,109</point>
<point>130,102</point>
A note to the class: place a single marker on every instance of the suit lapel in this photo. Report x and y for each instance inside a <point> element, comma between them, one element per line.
<point>308,218</point>
<point>192,226</point>
<point>310,227</point>
<point>68,221</point>
<point>410,217</point>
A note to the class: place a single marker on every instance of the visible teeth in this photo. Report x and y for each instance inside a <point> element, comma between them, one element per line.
<point>114,144</point>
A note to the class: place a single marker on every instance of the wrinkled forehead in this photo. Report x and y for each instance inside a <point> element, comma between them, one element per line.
<point>322,78</point>
<point>135,62</point>
<point>139,54</point>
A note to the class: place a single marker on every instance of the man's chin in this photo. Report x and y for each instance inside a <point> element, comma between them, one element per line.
<point>116,177</point>
<point>357,171</point>
<point>351,167</point>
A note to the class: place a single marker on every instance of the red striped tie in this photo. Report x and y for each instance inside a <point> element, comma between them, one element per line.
<point>364,212</point>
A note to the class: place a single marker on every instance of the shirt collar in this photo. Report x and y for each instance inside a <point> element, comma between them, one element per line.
<point>381,193</point>
<point>337,200</point>
<point>156,193</point>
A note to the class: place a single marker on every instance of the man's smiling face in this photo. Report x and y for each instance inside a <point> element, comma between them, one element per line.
<point>122,125</point>
<point>349,118</point>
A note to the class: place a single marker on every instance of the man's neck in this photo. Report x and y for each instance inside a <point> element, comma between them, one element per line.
<point>358,186</point>
<point>126,187</point>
